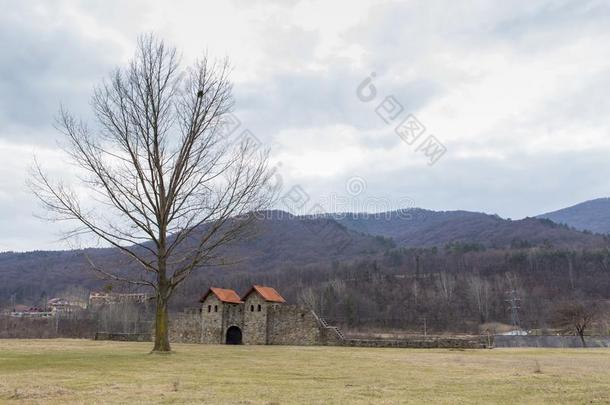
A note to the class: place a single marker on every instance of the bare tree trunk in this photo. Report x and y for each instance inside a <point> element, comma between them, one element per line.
<point>161,326</point>
<point>581,333</point>
<point>576,317</point>
<point>161,313</point>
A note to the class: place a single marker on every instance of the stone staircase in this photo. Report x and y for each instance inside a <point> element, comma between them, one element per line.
<point>325,325</point>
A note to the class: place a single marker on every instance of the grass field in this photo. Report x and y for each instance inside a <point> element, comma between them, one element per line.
<point>81,371</point>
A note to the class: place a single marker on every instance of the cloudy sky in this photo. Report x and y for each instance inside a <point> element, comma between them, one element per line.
<point>514,93</point>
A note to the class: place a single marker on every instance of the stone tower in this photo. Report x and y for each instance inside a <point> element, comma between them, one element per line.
<point>258,302</point>
<point>221,317</point>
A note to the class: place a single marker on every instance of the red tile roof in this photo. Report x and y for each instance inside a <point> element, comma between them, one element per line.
<point>268,293</point>
<point>223,294</point>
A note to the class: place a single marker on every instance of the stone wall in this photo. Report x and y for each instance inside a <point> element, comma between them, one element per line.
<point>255,321</point>
<point>329,337</point>
<point>186,328</point>
<point>281,324</point>
<point>124,337</point>
<point>473,342</point>
<point>290,325</point>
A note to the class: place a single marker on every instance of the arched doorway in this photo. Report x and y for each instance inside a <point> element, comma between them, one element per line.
<point>233,336</point>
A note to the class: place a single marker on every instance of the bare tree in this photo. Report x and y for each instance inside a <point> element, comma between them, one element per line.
<point>446,285</point>
<point>172,188</point>
<point>308,298</point>
<point>480,292</point>
<point>575,317</point>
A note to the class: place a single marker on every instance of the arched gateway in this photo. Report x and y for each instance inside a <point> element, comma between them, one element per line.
<point>233,336</point>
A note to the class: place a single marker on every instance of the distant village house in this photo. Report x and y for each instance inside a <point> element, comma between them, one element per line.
<point>105,298</point>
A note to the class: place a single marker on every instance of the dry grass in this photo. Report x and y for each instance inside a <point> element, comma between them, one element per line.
<point>80,371</point>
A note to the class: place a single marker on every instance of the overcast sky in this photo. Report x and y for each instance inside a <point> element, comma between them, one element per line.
<point>516,93</point>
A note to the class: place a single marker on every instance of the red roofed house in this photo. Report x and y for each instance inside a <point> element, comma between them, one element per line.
<point>260,316</point>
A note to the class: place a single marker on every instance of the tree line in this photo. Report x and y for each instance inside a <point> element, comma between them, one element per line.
<point>454,289</point>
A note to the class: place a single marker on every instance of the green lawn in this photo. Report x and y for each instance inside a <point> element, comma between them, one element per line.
<point>81,371</point>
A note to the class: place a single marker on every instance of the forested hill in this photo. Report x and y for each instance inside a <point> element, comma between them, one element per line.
<point>424,228</point>
<point>593,215</point>
<point>277,240</point>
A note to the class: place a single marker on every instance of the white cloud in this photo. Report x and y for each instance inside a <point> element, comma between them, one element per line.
<point>515,90</point>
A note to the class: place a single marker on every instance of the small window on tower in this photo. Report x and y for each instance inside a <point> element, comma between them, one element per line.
<point>215,308</point>
<point>259,308</point>
<point>209,308</point>
<point>251,308</point>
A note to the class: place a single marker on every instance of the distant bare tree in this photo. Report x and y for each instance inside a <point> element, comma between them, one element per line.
<point>120,317</point>
<point>575,317</point>
<point>74,293</point>
<point>446,285</point>
<point>308,298</point>
<point>479,289</point>
<point>172,189</point>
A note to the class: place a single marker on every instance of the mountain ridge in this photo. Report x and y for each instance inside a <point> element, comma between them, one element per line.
<point>284,242</point>
<point>417,227</point>
<point>591,215</point>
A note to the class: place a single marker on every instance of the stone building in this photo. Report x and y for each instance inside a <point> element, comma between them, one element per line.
<point>65,306</point>
<point>260,317</point>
